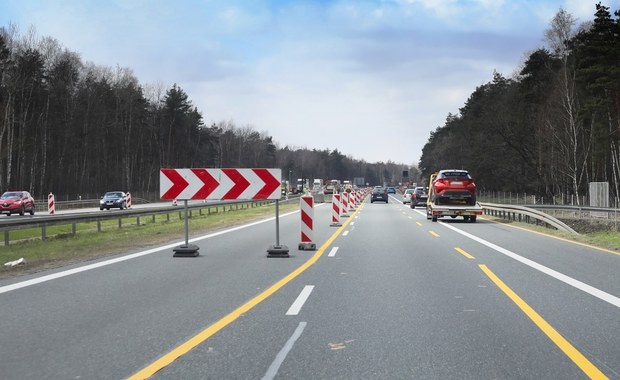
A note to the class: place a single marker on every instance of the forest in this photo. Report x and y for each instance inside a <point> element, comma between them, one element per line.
<point>75,128</point>
<point>78,129</point>
<point>552,128</point>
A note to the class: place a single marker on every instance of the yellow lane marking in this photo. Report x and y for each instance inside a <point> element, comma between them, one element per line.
<point>205,334</point>
<point>462,252</point>
<point>419,224</point>
<point>435,234</point>
<point>569,350</point>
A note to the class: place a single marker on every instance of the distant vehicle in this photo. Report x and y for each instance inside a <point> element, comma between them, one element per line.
<point>452,185</point>
<point>419,197</point>
<point>379,194</point>
<point>407,196</point>
<point>391,190</point>
<point>113,199</point>
<point>16,202</point>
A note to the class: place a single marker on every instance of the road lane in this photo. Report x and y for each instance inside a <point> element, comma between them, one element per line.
<point>392,301</point>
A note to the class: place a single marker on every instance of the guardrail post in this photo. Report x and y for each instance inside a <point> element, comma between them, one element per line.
<point>43,232</point>
<point>6,238</point>
<point>73,229</point>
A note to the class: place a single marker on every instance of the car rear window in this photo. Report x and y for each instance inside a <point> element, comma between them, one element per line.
<point>455,175</point>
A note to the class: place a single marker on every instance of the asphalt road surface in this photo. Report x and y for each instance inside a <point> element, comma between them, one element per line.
<point>389,295</point>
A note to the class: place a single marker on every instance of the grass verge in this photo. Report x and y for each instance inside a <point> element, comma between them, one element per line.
<point>88,244</point>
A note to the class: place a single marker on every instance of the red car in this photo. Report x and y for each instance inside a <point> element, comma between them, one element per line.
<point>454,185</point>
<point>16,202</point>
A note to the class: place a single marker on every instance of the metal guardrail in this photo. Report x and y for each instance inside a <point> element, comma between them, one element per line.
<point>87,217</point>
<point>524,214</point>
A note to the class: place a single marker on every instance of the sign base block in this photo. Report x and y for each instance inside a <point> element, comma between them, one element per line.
<point>335,225</point>
<point>307,247</point>
<point>189,250</point>
<point>277,251</point>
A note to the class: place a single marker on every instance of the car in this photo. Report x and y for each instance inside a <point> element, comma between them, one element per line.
<point>391,190</point>
<point>419,197</point>
<point>16,202</point>
<point>113,199</point>
<point>379,194</point>
<point>407,196</point>
<point>454,185</point>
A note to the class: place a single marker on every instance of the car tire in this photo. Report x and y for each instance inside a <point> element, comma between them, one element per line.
<point>22,211</point>
<point>32,211</point>
<point>412,205</point>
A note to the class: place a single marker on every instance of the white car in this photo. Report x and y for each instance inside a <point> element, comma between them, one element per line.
<point>407,196</point>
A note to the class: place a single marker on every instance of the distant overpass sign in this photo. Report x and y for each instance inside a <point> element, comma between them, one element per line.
<point>220,184</point>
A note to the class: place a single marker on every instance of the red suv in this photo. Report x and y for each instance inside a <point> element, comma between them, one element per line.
<point>16,202</point>
<point>454,185</point>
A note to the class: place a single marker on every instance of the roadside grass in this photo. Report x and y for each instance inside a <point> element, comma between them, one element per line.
<point>63,248</point>
<point>602,238</point>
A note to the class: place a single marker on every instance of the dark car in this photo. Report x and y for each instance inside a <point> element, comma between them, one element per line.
<point>379,194</point>
<point>419,197</point>
<point>113,199</point>
<point>454,185</point>
<point>16,202</point>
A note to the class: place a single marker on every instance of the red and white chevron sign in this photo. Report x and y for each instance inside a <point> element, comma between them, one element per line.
<point>219,184</point>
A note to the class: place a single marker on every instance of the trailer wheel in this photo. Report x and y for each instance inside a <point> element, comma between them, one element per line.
<point>472,219</point>
<point>466,218</point>
<point>434,218</point>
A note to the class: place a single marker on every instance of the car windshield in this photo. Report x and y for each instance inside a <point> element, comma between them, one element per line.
<point>113,195</point>
<point>11,195</point>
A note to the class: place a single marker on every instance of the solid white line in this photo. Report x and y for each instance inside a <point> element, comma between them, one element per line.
<point>85,268</point>
<point>332,253</point>
<point>345,233</point>
<point>275,366</point>
<point>548,271</point>
<point>301,299</point>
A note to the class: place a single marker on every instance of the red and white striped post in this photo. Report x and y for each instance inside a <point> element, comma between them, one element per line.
<point>307,223</point>
<point>352,205</point>
<point>344,209</point>
<point>51,205</point>
<point>335,211</point>
<point>128,200</point>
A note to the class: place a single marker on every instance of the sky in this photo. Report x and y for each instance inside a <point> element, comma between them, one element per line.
<point>370,78</point>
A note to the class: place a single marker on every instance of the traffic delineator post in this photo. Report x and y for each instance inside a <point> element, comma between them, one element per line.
<point>335,211</point>
<point>51,204</point>
<point>344,205</point>
<point>307,223</point>
<point>128,200</point>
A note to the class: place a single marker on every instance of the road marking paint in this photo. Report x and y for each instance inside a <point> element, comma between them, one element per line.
<point>352,223</point>
<point>345,233</point>
<point>419,224</point>
<point>569,350</point>
<point>557,238</point>
<point>462,252</point>
<point>205,334</point>
<point>85,268</point>
<point>435,234</point>
<point>332,253</point>
<point>300,301</point>
<point>613,300</point>
<point>409,216</point>
<point>288,346</point>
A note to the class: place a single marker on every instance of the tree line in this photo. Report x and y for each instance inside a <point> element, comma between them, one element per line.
<point>552,128</point>
<point>73,127</point>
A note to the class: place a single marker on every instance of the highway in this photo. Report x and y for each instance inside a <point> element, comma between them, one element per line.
<point>389,295</point>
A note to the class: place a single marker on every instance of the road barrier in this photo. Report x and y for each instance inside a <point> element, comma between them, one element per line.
<point>344,209</point>
<point>335,211</point>
<point>85,220</point>
<point>307,223</point>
